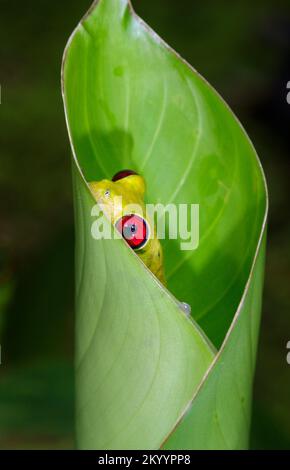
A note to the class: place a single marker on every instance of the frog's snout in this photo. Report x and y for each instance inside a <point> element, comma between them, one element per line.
<point>100,190</point>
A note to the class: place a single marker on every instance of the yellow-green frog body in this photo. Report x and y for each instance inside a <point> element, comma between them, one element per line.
<point>123,197</point>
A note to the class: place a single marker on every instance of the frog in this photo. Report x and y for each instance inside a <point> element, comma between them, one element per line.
<point>122,201</point>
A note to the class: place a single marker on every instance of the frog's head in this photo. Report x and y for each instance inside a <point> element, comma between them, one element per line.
<point>122,201</point>
<point>113,196</point>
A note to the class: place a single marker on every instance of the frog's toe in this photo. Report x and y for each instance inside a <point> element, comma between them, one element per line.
<point>186,308</point>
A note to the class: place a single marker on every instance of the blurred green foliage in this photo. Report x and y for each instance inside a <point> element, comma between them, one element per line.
<point>242,48</point>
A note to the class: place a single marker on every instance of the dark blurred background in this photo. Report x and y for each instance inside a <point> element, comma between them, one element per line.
<point>242,48</point>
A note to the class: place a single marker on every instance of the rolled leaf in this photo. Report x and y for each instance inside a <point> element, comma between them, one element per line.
<point>146,375</point>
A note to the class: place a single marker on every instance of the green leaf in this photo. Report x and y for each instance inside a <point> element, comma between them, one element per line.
<point>147,376</point>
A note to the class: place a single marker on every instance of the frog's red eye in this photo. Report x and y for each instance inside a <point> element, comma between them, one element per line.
<point>123,174</point>
<point>134,230</point>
